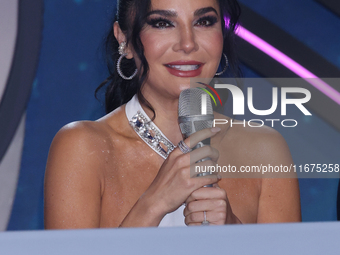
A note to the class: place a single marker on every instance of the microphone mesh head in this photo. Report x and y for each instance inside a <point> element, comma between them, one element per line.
<point>190,105</point>
<point>190,102</point>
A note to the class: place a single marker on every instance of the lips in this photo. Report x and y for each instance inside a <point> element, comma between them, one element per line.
<point>185,68</point>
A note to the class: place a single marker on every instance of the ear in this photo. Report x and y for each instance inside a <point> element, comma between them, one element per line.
<point>120,36</point>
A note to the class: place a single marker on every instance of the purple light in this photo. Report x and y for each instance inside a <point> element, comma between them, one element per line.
<point>289,63</point>
<point>226,22</point>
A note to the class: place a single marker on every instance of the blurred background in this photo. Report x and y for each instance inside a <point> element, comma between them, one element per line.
<point>51,63</point>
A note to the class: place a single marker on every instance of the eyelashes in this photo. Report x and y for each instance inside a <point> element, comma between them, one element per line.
<point>162,23</point>
<point>207,21</point>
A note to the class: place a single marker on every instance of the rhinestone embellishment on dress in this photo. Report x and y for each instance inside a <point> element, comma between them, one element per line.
<point>147,130</point>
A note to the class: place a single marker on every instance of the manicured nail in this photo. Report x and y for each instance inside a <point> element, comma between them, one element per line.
<point>215,129</point>
<point>219,177</point>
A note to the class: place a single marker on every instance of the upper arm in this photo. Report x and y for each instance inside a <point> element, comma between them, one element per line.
<point>72,180</point>
<point>280,196</point>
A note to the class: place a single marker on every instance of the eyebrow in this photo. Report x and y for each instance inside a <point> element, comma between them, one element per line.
<point>165,13</point>
<point>203,11</point>
<point>168,13</point>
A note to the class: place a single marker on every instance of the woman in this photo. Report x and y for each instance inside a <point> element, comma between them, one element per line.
<point>103,174</point>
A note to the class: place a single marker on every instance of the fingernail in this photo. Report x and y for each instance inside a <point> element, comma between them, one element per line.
<point>219,177</point>
<point>215,129</point>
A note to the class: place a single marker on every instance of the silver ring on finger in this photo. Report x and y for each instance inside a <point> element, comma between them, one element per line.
<point>205,222</point>
<point>184,147</point>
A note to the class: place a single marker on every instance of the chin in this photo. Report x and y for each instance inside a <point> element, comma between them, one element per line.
<point>184,87</point>
<point>175,93</point>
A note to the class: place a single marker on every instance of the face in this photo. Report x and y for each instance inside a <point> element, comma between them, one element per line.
<point>182,39</point>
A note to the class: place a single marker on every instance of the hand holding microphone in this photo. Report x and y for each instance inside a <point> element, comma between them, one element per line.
<point>207,205</point>
<point>173,184</point>
<point>195,113</point>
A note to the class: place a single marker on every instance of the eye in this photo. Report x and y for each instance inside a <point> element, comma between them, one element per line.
<point>206,21</point>
<point>160,23</point>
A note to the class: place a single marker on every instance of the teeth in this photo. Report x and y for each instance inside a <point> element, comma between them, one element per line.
<point>185,67</point>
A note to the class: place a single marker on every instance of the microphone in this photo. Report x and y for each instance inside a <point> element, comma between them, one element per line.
<point>195,113</point>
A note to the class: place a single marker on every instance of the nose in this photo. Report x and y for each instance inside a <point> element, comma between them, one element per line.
<point>186,41</point>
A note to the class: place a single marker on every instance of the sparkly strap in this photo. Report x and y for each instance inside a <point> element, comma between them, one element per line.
<point>146,129</point>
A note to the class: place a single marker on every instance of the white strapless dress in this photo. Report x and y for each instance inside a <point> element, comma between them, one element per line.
<point>174,219</point>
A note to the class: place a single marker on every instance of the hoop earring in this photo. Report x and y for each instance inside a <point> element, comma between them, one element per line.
<point>226,66</point>
<point>121,50</point>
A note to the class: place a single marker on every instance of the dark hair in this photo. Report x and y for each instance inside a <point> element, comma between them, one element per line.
<point>120,91</point>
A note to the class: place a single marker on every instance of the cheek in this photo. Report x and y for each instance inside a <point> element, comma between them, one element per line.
<point>154,45</point>
<point>215,42</point>
<point>211,42</point>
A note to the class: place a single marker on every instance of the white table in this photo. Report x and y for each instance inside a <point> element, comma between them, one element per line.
<point>295,238</point>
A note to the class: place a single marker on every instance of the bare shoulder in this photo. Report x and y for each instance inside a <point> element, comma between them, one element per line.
<point>87,145</point>
<point>77,150</point>
<point>74,178</point>
<point>84,134</point>
<point>91,137</point>
<point>78,140</point>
